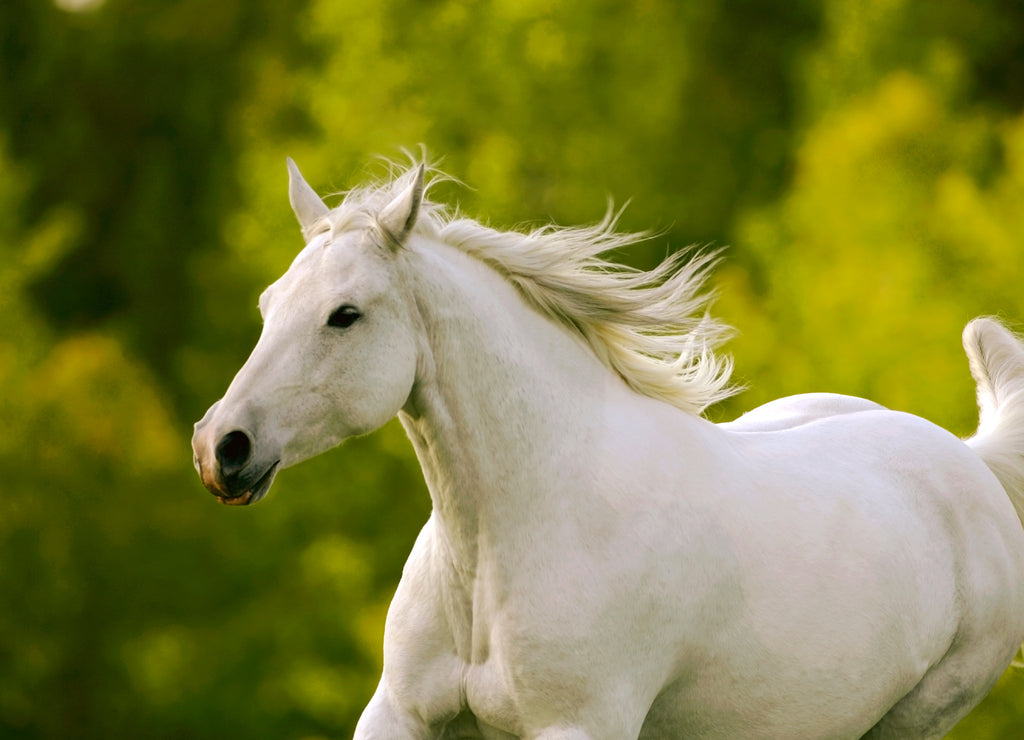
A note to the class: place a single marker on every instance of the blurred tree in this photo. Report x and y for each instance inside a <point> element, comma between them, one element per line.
<point>122,117</point>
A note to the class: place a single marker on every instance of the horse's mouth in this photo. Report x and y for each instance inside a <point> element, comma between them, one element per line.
<point>254,494</point>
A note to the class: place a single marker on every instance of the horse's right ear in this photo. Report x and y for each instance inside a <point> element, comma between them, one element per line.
<point>399,216</point>
<point>308,207</point>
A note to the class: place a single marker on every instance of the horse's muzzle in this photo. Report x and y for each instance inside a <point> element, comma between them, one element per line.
<point>229,469</point>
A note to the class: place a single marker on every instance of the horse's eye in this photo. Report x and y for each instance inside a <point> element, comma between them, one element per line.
<point>343,317</point>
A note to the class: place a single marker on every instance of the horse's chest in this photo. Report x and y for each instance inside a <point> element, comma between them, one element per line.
<point>506,668</point>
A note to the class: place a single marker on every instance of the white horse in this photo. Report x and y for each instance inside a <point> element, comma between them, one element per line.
<point>601,561</point>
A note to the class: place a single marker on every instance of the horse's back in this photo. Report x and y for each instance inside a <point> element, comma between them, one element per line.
<point>794,411</point>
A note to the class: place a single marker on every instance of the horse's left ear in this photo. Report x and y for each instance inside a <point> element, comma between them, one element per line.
<point>308,207</point>
<point>399,216</point>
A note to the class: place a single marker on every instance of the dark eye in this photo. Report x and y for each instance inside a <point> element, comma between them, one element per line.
<point>343,317</point>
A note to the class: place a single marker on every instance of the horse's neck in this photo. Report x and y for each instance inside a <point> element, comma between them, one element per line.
<point>500,390</point>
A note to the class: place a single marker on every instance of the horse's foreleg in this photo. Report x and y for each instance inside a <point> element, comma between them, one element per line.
<point>563,733</point>
<point>381,720</point>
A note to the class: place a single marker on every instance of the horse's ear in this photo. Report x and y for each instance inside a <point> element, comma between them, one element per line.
<point>308,207</point>
<point>399,216</point>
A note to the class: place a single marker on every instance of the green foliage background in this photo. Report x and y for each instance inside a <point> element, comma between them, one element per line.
<point>865,161</point>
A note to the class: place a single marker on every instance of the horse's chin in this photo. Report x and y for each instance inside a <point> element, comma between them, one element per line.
<point>254,494</point>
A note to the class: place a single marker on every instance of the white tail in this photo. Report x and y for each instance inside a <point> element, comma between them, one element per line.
<point>996,357</point>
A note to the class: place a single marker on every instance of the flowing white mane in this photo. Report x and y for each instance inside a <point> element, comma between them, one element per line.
<point>650,327</point>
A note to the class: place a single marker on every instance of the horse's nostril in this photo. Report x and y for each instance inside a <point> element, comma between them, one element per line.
<point>233,451</point>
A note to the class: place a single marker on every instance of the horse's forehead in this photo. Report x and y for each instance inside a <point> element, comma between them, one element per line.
<point>326,261</point>
<point>305,261</point>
